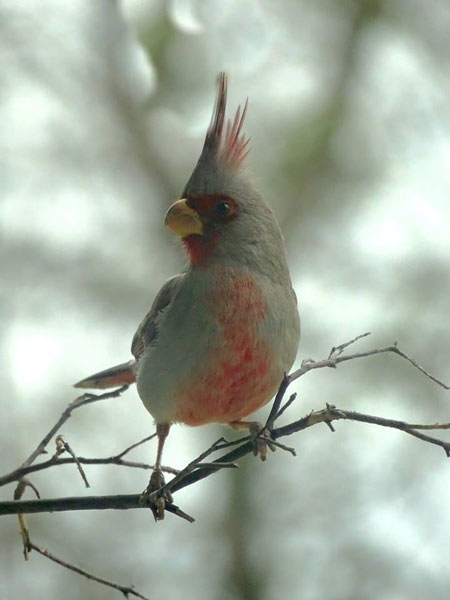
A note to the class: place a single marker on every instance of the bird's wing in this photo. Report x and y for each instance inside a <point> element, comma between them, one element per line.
<point>147,332</point>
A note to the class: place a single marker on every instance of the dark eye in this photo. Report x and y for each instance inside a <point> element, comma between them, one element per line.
<point>222,209</point>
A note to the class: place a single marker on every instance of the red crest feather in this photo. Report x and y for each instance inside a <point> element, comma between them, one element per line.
<point>232,148</point>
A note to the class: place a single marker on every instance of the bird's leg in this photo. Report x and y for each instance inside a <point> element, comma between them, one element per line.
<point>162,431</point>
<point>157,481</point>
<point>261,441</point>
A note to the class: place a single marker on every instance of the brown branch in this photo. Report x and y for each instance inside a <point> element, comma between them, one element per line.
<point>56,462</point>
<point>331,413</point>
<point>27,466</point>
<point>116,502</point>
<point>332,362</point>
<point>65,415</point>
<point>325,416</point>
<point>274,411</point>
<point>130,501</point>
<point>195,471</point>
<point>220,464</point>
<point>125,590</point>
<point>133,446</point>
<point>28,546</point>
<point>63,446</point>
<point>338,350</point>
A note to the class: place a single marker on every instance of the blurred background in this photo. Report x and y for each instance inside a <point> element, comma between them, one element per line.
<point>103,110</point>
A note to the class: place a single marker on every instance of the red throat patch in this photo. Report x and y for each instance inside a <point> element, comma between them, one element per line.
<point>215,212</point>
<point>199,247</point>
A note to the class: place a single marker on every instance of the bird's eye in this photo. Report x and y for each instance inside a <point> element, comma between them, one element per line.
<point>216,209</point>
<point>222,209</point>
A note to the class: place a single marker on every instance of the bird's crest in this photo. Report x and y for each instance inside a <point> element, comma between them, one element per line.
<point>230,147</point>
<point>223,152</point>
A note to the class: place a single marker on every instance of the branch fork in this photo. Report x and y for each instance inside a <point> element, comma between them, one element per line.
<point>197,469</point>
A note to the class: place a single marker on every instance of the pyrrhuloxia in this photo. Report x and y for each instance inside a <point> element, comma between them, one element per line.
<point>219,337</point>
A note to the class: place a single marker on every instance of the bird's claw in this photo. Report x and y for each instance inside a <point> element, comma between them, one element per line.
<point>261,440</point>
<point>155,496</point>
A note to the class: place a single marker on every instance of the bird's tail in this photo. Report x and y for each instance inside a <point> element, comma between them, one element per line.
<point>123,374</point>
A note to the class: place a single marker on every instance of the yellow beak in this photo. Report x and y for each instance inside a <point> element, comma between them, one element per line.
<point>183,220</point>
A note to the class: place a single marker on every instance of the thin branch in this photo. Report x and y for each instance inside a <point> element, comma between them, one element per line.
<point>133,446</point>
<point>331,413</point>
<point>21,486</point>
<point>115,502</point>
<point>274,411</point>
<point>338,350</point>
<point>125,590</point>
<point>65,415</point>
<point>397,350</point>
<point>56,462</point>
<point>334,361</point>
<point>195,472</point>
<point>283,408</point>
<point>63,445</point>
<point>195,463</point>
<point>327,416</point>
<point>130,501</point>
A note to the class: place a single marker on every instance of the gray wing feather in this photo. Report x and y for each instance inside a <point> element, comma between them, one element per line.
<point>147,332</point>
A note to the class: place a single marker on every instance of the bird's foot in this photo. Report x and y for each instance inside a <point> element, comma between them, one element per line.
<point>261,440</point>
<point>260,437</point>
<point>155,496</point>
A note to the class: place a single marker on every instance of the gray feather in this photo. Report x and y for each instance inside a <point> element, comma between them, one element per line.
<point>147,332</point>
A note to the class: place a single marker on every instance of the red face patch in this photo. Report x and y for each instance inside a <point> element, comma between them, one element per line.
<point>215,211</point>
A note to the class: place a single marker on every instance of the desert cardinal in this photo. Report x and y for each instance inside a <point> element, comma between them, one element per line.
<point>219,337</point>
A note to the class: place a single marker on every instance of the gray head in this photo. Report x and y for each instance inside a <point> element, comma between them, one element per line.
<point>221,217</point>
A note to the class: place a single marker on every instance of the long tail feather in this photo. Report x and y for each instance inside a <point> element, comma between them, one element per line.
<point>123,374</point>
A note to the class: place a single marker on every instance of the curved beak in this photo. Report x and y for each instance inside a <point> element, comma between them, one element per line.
<point>183,220</point>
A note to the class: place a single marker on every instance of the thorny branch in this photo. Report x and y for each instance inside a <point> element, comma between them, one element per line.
<point>196,469</point>
<point>196,472</point>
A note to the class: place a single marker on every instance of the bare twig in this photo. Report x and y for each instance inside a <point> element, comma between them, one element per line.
<point>397,350</point>
<point>17,474</point>
<point>331,413</point>
<point>194,471</point>
<point>63,446</point>
<point>334,361</point>
<point>123,502</point>
<point>133,446</point>
<point>282,409</point>
<point>277,402</point>
<point>24,535</point>
<point>217,465</point>
<point>65,415</point>
<point>21,486</point>
<point>338,350</point>
<point>283,447</point>
<point>115,502</point>
<point>125,590</point>
<point>195,463</point>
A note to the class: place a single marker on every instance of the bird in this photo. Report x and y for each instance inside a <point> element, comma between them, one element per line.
<point>219,337</point>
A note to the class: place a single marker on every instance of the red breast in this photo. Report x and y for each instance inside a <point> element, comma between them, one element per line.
<point>239,374</point>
